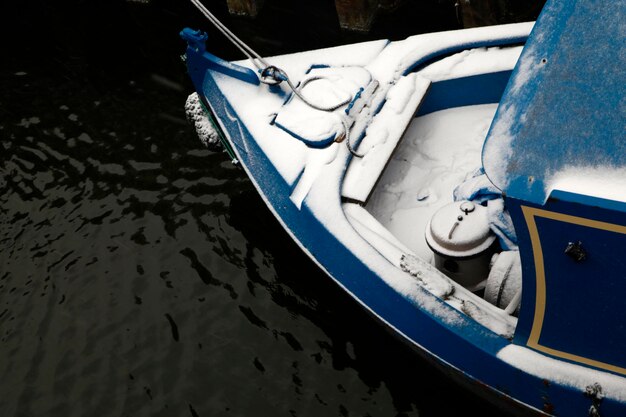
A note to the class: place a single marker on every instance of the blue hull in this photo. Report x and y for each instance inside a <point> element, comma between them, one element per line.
<point>461,346</point>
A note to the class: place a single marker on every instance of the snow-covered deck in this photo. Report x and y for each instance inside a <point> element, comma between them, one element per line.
<point>438,152</point>
<point>314,175</point>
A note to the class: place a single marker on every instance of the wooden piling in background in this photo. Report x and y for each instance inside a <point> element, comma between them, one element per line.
<point>356,15</point>
<point>245,7</point>
<point>359,15</point>
<point>479,12</point>
<point>475,13</point>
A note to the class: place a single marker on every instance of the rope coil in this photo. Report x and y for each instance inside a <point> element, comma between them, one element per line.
<point>272,75</point>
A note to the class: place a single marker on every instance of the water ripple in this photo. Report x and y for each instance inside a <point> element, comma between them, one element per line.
<point>140,273</point>
<point>204,274</point>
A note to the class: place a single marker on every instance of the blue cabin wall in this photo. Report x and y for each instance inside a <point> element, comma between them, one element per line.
<point>572,308</point>
<point>564,105</point>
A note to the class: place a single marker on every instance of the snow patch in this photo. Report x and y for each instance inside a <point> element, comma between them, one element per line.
<point>472,62</point>
<point>561,372</point>
<point>497,151</point>
<point>383,135</point>
<point>602,182</point>
<point>400,57</point>
<point>439,151</point>
<point>324,88</point>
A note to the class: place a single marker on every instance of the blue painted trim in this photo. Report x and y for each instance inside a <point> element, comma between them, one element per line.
<point>356,97</point>
<point>441,53</point>
<point>196,43</point>
<point>322,143</point>
<point>279,91</point>
<point>288,97</point>
<point>316,66</point>
<point>297,180</point>
<point>588,200</point>
<point>465,91</point>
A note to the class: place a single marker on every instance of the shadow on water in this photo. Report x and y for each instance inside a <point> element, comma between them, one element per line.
<point>141,274</point>
<point>382,367</point>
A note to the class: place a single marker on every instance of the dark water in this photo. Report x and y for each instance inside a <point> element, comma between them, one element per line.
<point>140,274</point>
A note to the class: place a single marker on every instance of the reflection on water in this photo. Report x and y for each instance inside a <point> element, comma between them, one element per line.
<point>140,274</point>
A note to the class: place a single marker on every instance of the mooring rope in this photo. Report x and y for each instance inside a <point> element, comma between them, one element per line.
<point>243,47</point>
<point>346,129</point>
<point>272,75</point>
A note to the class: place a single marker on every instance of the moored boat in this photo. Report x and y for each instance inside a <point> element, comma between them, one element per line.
<point>466,187</point>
